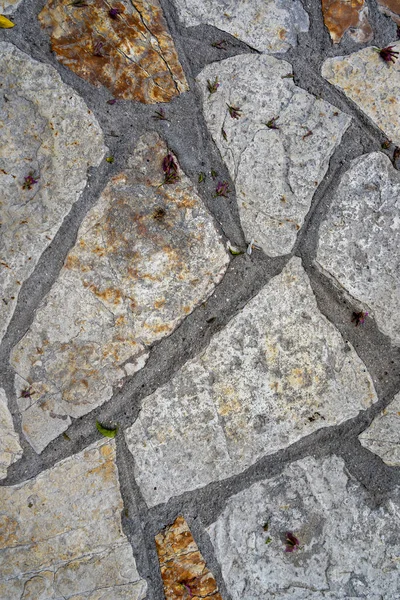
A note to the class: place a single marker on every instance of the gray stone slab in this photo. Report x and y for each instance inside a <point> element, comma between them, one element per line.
<point>372,83</point>
<point>146,254</point>
<point>275,171</point>
<point>49,133</point>
<point>267,25</point>
<point>383,435</point>
<point>61,534</point>
<point>278,372</point>
<point>360,239</point>
<point>349,546</point>
<point>10,449</point>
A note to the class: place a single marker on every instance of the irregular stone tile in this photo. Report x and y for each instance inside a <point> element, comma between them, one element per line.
<point>277,372</point>
<point>391,8</point>
<point>276,171</point>
<point>182,566</point>
<point>372,84</point>
<point>266,25</point>
<point>46,130</point>
<point>383,435</point>
<point>8,6</point>
<point>145,256</point>
<point>131,52</point>
<point>349,546</point>
<point>10,449</point>
<point>351,16</point>
<point>61,534</point>
<point>359,240</point>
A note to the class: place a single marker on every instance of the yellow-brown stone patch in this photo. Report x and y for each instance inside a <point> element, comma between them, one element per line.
<point>344,15</point>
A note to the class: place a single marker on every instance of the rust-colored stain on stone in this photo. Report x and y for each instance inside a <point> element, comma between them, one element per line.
<point>391,8</point>
<point>183,570</point>
<point>129,51</point>
<point>341,16</point>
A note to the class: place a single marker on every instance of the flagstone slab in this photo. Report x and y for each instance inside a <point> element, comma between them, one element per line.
<point>182,566</point>
<point>391,8</point>
<point>382,437</point>
<point>360,239</point>
<point>10,449</point>
<point>277,372</point>
<point>130,51</point>
<point>349,545</point>
<point>276,171</point>
<point>46,131</point>
<point>266,25</point>
<point>372,83</point>
<point>146,254</point>
<point>347,16</point>
<point>61,534</point>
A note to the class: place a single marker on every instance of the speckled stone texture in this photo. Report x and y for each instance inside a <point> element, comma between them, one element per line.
<point>372,83</point>
<point>276,373</point>
<point>182,566</point>
<point>131,52</point>
<point>359,241</point>
<point>61,534</point>
<point>145,256</point>
<point>349,543</point>
<point>391,8</point>
<point>8,6</point>
<point>266,25</point>
<point>275,171</point>
<point>10,449</point>
<point>47,132</point>
<point>347,16</point>
<point>382,437</point>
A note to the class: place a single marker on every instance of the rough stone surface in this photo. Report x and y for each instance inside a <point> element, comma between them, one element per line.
<point>183,569</point>
<point>8,6</point>
<point>10,450</point>
<point>276,373</point>
<point>349,547</point>
<point>351,16</point>
<point>360,239</point>
<point>391,8</point>
<point>372,83</point>
<point>45,129</point>
<point>61,535</point>
<point>383,435</point>
<point>276,171</point>
<point>145,256</point>
<point>132,54</point>
<point>266,25</point>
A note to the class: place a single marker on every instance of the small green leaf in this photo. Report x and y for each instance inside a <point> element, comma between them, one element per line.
<point>235,251</point>
<point>202,177</point>
<point>214,174</point>
<point>110,433</point>
<point>66,437</point>
<point>110,159</point>
<point>6,23</point>
<point>268,540</point>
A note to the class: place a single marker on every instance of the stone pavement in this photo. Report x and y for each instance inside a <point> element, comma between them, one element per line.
<point>200,299</point>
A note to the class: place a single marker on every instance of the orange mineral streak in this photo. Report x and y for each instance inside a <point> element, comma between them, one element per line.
<point>183,570</point>
<point>133,55</point>
<point>343,15</point>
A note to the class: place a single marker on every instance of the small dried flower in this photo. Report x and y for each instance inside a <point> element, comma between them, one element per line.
<point>306,135</point>
<point>114,12</point>
<point>187,588</point>
<point>292,543</point>
<point>359,317</point>
<point>202,176</point>
<point>160,115</point>
<point>170,169</point>
<point>396,153</point>
<point>221,45</point>
<point>98,49</point>
<point>212,86</point>
<point>27,392</point>
<point>223,133</point>
<point>386,144</point>
<point>234,111</point>
<point>159,213</point>
<point>271,124</point>
<point>112,101</point>
<point>387,54</point>
<point>398,32</point>
<point>29,181</point>
<point>222,189</point>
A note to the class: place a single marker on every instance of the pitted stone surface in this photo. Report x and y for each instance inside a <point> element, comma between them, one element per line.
<point>275,171</point>
<point>145,256</point>
<point>10,449</point>
<point>360,239</point>
<point>383,435</point>
<point>276,373</point>
<point>347,16</point>
<point>182,566</point>
<point>266,25</point>
<point>391,8</point>
<point>61,534</point>
<point>45,129</point>
<point>8,6</point>
<point>349,546</point>
<point>372,83</point>
<point>131,53</point>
